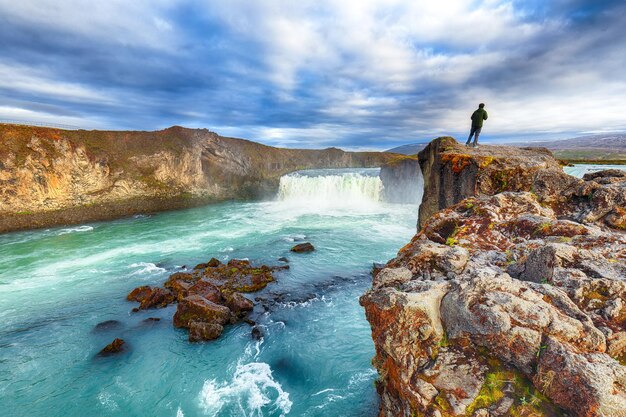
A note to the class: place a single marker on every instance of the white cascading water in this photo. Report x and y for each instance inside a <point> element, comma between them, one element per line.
<point>331,188</point>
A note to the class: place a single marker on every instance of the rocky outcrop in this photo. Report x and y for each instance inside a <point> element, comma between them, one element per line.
<point>402,180</point>
<point>116,346</point>
<point>508,302</point>
<point>209,297</point>
<point>52,176</point>
<point>303,247</point>
<point>452,172</point>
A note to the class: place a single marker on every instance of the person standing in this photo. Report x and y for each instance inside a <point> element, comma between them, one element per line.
<point>477,124</point>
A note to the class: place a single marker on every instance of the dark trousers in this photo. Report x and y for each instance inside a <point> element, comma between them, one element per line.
<point>474,132</point>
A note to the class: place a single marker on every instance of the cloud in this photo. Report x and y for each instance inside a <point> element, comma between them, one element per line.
<point>356,74</point>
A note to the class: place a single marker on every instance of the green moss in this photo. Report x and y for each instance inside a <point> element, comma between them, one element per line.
<point>25,213</point>
<point>528,400</point>
<point>442,402</point>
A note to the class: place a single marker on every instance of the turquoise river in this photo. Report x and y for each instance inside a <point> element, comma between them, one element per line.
<point>313,360</point>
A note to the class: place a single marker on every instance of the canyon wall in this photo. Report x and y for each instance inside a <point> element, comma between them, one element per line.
<point>52,176</point>
<point>511,298</point>
<point>402,180</point>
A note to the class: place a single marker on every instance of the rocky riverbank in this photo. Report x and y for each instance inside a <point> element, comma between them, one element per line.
<point>53,176</point>
<point>511,299</point>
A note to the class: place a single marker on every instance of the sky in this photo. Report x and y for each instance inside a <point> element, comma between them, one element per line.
<point>355,74</point>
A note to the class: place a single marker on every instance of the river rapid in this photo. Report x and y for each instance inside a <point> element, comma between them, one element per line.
<point>314,357</point>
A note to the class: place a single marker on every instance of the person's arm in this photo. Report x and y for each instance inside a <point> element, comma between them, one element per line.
<point>485,115</point>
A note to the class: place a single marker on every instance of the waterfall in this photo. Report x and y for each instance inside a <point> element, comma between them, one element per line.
<point>332,187</point>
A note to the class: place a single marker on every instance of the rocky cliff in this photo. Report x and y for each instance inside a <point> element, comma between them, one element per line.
<point>402,180</point>
<point>453,172</point>
<point>52,176</point>
<point>511,301</point>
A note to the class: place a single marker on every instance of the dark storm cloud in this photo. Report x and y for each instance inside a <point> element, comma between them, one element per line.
<point>363,74</point>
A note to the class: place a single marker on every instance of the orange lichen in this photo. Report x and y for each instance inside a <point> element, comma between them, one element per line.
<point>458,162</point>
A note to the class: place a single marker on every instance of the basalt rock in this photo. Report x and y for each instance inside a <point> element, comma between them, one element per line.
<point>505,302</point>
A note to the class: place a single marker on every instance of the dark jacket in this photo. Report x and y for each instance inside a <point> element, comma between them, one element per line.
<point>478,116</point>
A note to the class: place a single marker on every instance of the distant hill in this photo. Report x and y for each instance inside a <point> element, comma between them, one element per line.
<point>410,149</point>
<point>601,147</point>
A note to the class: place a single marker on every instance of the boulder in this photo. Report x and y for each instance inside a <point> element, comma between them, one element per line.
<point>586,384</point>
<point>200,331</point>
<point>213,262</point>
<point>196,308</point>
<point>139,294</point>
<point>151,297</point>
<point>116,346</point>
<point>207,290</point>
<point>179,283</point>
<point>107,325</point>
<point>238,304</point>
<point>303,247</point>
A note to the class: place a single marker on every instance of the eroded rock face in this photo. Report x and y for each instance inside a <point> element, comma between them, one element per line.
<point>453,172</point>
<point>53,176</point>
<point>523,287</point>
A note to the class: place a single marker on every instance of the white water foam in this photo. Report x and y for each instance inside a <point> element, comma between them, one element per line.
<point>331,188</point>
<point>75,230</point>
<point>251,391</point>
<point>146,268</point>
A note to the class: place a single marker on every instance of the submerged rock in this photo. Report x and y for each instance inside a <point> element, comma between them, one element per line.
<point>257,333</point>
<point>303,247</point>
<point>116,346</point>
<point>107,325</point>
<point>506,296</point>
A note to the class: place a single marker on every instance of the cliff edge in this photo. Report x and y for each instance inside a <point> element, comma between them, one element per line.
<point>511,299</point>
<point>53,176</point>
<point>453,172</point>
